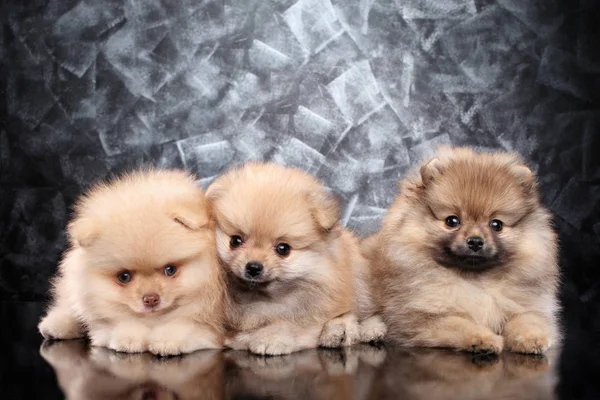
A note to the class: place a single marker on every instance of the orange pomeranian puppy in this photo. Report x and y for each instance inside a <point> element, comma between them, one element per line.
<point>142,272</point>
<point>290,267</point>
<point>467,258</point>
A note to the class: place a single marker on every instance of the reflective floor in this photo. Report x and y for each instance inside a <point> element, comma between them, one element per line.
<point>32,369</point>
<point>363,372</point>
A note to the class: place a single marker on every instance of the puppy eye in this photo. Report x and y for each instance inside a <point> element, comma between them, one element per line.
<point>452,221</point>
<point>496,225</point>
<point>236,241</point>
<point>170,270</point>
<point>124,277</point>
<point>283,249</point>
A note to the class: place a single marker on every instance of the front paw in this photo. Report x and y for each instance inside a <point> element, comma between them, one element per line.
<point>339,332</point>
<point>372,329</point>
<point>485,343</point>
<point>167,347</point>
<point>333,335</point>
<point>532,342</point>
<point>127,344</point>
<point>175,339</point>
<point>60,324</point>
<point>272,346</point>
<point>124,338</point>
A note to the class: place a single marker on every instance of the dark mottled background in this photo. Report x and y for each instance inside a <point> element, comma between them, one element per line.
<point>353,91</point>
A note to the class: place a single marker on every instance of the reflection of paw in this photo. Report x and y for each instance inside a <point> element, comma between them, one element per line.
<point>485,360</point>
<point>272,346</point>
<point>339,332</point>
<point>59,324</point>
<point>485,343</point>
<point>129,366</point>
<point>281,367</point>
<point>372,329</point>
<point>173,369</point>
<point>67,353</point>
<point>101,356</point>
<point>278,368</point>
<point>374,356</point>
<point>523,365</point>
<point>339,361</point>
<point>534,342</point>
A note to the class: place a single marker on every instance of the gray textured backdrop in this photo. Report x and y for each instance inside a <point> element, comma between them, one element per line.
<point>353,91</point>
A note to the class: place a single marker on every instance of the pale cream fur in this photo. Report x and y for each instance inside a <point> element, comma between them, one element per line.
<point>140,223</point>
<point>512,305</point>
<point>268,204</point>
<point>100,374</point>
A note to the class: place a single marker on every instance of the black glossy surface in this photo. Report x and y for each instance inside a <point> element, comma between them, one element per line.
<point>31,369</point>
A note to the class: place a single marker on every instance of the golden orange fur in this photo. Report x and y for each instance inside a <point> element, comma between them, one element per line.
<point>279,303</point>
<point>468,287</point>
<point>142,272</point>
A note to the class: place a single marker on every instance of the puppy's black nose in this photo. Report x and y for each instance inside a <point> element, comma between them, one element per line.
<point>475,243</point>
<point>254,269</point>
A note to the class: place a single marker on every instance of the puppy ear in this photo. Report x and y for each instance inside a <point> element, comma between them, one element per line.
<point>193,216</point>
<point>82,231</point>
<point>524,176</point>
<point>191,223</point>
<point>215,190</point>
<point>325,209</point>
<point>430,170</point>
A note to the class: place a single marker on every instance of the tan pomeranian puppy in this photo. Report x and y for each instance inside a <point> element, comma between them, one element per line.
<point>467,258</point>
<point>290,267</point>
<point>142,272</point>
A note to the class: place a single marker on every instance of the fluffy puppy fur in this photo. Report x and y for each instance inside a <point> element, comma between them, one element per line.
<point>289,266</point>
<point>142,272</point>
<point>467,258</point>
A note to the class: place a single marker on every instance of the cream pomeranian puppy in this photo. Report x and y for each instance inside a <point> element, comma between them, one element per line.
<point>141,273</point>
<point>291,269</point>
<point>467,257</point>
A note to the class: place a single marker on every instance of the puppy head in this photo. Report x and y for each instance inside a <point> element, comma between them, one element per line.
<point>474,207</point>
<point>147,243</point>
<point>273,223</point>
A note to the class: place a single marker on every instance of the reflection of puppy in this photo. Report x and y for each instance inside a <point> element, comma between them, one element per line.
<point>346,373</point>
<point>467,258</point>
<point>142,272</point>
<point>103,374</point>
<point>431,374</point>
<point>288,262</point>
<point>293,376</point>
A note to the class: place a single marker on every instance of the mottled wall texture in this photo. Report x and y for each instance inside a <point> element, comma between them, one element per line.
<point>353,91</point>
